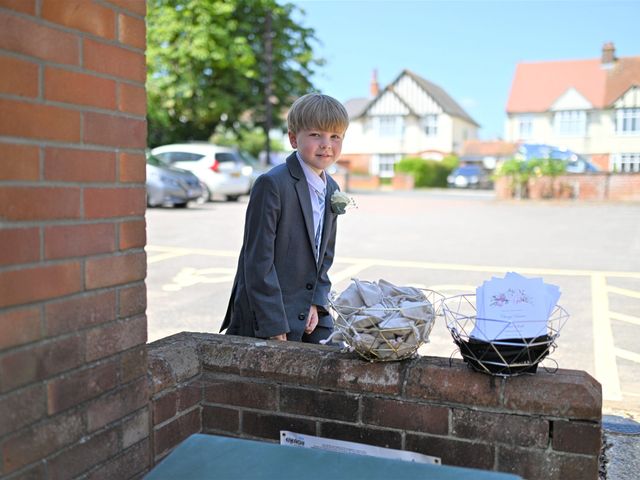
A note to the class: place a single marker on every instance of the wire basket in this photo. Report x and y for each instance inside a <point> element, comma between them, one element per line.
<point>387,333</point>
<point>504,356</point>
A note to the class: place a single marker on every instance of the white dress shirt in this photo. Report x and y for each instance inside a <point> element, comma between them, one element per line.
<point>317,189</point>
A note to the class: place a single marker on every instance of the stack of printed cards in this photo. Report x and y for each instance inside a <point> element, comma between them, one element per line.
<point>513,307</point>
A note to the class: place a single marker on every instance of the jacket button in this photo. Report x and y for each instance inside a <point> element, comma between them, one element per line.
<point>309,286</point>
<point>302,316</point>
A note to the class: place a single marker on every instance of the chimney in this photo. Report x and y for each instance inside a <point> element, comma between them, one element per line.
<point>608,54</point>
<point>374,88</point>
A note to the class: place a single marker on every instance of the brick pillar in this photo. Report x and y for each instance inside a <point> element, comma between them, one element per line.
<point>73,389</point>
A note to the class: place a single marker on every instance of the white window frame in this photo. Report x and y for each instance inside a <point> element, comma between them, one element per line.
<point>383,164</point>
<point>525,128</point>
<point>430,125</point>
<point>625,162</point>
<point>628,121</point>
<point>389,125</point>
<point>570,123</point>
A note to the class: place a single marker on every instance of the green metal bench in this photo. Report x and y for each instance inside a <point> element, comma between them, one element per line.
<point>202,457</point>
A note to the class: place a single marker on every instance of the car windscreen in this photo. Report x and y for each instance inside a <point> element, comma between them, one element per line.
<point>223,157</point>
<point>173,157</point>
<point>467,171</point>
<point>155,161</point>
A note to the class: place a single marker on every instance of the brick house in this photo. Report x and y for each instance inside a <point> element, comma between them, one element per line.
<point>409,117</point>
<point>589,106</point>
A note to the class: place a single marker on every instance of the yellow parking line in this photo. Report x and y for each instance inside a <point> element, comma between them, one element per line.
<point>349,272</point>
<point>453,288</point>
<point>627,355</point>
<point>624,291</point>
<point>193,251</point>
<point>624,318</point>
<point>489,268</point>
<point>603,350</point>
<point>164,256</point>
<point>411,264</point>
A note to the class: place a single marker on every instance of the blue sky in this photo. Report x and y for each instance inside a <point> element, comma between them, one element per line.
<point>470,48</point>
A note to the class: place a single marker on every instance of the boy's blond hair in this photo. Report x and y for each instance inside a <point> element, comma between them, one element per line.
<point>317,111</point>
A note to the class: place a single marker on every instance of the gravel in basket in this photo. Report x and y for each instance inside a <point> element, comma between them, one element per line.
<point>382,321</point>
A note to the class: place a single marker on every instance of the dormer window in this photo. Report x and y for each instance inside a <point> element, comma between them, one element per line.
<point>430,123</point>
<point>570,123</point>
<point>628,121</point>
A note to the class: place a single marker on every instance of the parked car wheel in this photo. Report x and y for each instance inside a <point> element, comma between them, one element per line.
<point>206,194</point>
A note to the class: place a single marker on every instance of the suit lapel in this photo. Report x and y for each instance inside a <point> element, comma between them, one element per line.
<point>302,189</point>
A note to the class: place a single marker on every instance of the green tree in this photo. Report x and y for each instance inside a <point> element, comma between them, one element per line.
<point>519,172</point>
<point>251,141</point>
<point>208,68</point>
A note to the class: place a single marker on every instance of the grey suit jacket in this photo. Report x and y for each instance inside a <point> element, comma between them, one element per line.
<point>278,278</point>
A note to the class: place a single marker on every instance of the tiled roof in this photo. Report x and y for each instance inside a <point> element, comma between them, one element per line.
<point>625,75</point>
<point>356,106</point>
<point>536,86</point>
<point>442,98</point>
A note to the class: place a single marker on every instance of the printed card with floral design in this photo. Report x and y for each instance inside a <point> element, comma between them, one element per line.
<point>513,307</point>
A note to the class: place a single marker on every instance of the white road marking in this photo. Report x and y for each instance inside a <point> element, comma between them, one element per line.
<point>603,348</point>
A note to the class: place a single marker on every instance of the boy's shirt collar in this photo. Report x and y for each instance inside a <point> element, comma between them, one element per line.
<point>317,182</point>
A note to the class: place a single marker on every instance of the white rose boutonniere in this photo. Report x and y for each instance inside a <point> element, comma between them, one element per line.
<point>341,202</point>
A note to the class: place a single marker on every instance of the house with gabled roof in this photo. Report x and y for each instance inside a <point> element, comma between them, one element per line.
<point>409,117</point>
<point>591,107</point>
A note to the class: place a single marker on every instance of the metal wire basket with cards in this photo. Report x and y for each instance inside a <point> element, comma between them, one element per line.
<point>382,321</point>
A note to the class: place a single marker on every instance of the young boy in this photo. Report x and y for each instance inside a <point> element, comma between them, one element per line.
<point>281,286</point>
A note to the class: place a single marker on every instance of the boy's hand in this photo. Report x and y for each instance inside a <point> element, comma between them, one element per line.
<point>282,337</point>
<point>312,320</point>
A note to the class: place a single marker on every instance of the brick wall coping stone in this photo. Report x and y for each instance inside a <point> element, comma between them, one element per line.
<point>567,394</point>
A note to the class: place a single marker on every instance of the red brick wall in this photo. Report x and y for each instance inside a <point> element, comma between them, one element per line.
<point>601,160</point>
<point>592,186</point>
<point>356,163</point>
<point>545,426</point>
<point>73,389</point>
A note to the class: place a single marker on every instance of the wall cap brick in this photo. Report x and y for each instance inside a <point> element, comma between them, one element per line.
<point>433,379</point>
<point>173,359</point>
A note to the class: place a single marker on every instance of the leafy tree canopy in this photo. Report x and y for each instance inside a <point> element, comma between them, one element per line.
<point>207,66</point>
<point>251,141</point>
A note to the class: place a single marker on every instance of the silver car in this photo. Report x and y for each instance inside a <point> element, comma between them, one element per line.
<point>221,170</point>
<point>170,186</point>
